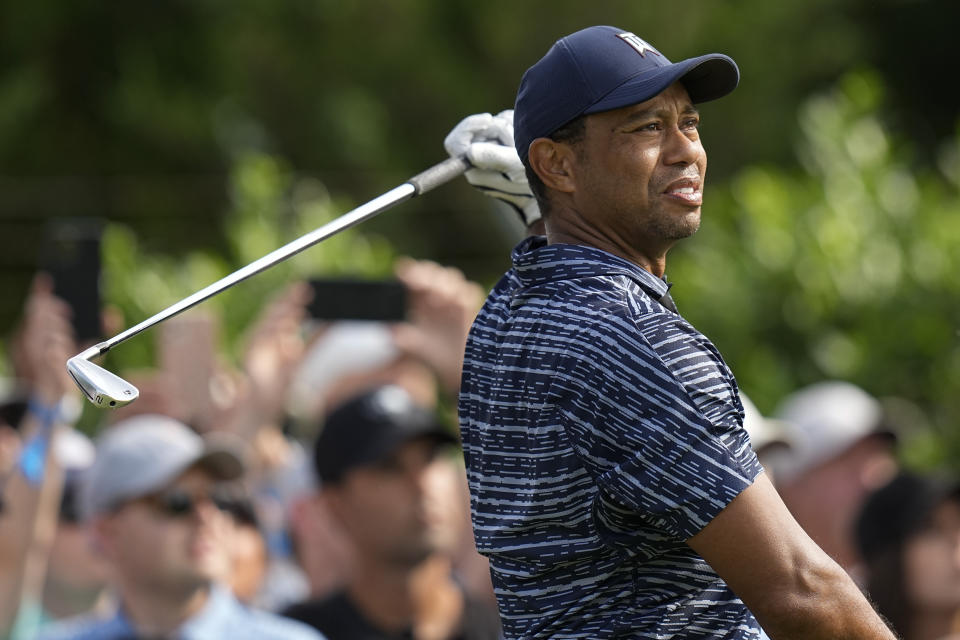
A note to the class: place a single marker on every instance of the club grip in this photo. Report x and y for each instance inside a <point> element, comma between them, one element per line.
<point>439,174</point>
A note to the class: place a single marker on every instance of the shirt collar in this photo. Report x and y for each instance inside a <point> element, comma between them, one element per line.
<point>207,623</point>
<point>536,262</point>
<point>221,608</point>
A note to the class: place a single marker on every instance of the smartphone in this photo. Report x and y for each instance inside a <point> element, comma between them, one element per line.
<point>70,254</point>
<point>357,299</point>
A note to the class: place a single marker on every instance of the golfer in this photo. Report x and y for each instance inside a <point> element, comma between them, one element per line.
<point>613,487</point>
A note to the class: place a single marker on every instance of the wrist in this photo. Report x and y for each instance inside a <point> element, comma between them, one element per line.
<point>65,410</point>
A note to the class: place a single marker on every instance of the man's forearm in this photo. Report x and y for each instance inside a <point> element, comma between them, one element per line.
<point>825,603</point>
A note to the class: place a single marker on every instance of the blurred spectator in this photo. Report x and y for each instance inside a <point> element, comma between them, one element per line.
<point>45,405</point>
<point>909,536</point>
<point>249,557</point>
<point>842,449</point>
<point>423,356</point>
<point>292,373</point>
<point>384,478</point>
<point>155,497</point>
<point>76,574</point>
<point>13,407</point>
<point>194,385</point>
<point>419,354</point>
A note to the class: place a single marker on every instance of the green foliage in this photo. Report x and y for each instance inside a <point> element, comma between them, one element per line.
<point>271,206</point>
<point>209,131</point>
<point>844,269</point>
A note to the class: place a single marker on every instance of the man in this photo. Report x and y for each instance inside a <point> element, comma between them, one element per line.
<point>386,483</point>
<point>908,533</point>
<point>612,484</point>
<point>32,487</point>
<point>843,450</point>
<point>155,497</point>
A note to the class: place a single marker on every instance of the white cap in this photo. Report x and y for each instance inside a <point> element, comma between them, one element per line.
<point>73,450</point>
<point>345,348</point>
<point>824,420</point>
<point>763,431</point>
<point>145,453</point>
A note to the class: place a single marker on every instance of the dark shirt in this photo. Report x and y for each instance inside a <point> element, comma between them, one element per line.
<point>339,619</point>
<point>600,431</point>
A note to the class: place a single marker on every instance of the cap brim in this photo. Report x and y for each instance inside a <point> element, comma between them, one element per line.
<point>221,462</point>
<point>383,449</point>
<point>705,77</point>
<point>387,446</point>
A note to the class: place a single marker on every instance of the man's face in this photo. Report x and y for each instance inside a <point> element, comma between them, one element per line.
<point>639,172</point>
<point>174,540</point>
<point>394,510</point>
<point>932,562</point>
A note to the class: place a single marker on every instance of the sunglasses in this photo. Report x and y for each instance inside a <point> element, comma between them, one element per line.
<point>178,503</point>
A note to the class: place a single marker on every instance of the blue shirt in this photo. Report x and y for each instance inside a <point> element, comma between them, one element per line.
<point>600,432</point>
<point>222,617</point>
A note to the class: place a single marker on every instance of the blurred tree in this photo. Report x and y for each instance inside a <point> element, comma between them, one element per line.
<point>192,123</point>
<point>271,206</point>
<point>131,111</point>
<point>846,268</point>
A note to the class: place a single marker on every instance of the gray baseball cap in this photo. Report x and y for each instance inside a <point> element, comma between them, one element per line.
<point>143,454</point>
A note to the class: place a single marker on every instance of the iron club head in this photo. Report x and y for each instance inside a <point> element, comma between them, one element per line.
<point>101,387</point>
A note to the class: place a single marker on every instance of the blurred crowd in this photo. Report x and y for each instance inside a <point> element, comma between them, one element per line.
<point>316,489</point>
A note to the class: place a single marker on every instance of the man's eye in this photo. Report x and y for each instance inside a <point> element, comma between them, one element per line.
<point>691,123</point>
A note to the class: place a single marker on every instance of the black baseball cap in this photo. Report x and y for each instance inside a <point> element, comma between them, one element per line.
<point>602,68</point>
<point>369,427</point>
<point>895,512</point>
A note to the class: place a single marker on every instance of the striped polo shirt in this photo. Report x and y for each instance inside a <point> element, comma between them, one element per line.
<point>600,432</point>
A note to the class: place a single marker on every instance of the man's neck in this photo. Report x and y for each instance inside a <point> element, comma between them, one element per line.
<point>423,598</point>
<point>63,601</point>
<point>157,612</point>
<point>654,261</point>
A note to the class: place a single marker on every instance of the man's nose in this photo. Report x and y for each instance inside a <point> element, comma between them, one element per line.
<point>206,510</point>
<point>680,147</point>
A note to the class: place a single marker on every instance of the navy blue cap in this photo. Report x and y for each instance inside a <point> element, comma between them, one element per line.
<point>369,427</point>
<point>603,68</point>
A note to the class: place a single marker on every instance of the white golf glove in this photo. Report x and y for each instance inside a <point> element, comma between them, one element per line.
<point>487,142</point>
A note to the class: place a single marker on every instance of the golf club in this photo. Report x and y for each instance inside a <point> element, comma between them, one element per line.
<point>105,389</point>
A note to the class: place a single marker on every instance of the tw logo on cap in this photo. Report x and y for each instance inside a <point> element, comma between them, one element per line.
<point>638,43</point>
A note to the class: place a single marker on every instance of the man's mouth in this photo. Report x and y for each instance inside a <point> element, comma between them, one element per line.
<point>687,191</point>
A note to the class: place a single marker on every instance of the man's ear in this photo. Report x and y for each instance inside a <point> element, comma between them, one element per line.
<point>101,531</point>
<point>330,500</point>
<point>553,163</point>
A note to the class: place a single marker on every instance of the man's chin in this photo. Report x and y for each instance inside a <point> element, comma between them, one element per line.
<point>682,231</point>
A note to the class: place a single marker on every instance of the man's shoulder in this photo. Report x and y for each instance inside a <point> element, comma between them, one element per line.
<point>225,616</point>
<point>335,616</point>
<point>315,606</point>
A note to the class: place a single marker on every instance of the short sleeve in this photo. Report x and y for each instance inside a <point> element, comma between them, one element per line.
<point>652,444</point>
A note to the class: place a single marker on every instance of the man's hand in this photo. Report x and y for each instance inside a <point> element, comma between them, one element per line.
<point>44,343</point>
<point>276,346</point>
<point>442,306</point>
<point>487,141</point>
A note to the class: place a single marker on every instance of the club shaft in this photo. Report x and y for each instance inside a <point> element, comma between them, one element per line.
<point>347,220</point>
<point>421,183</point>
